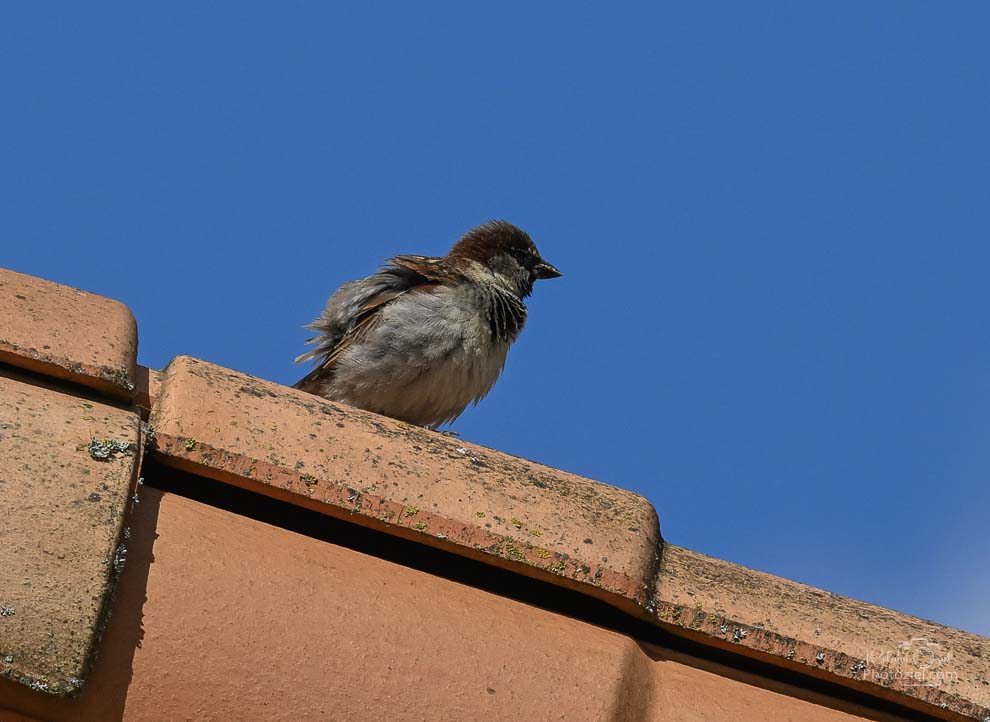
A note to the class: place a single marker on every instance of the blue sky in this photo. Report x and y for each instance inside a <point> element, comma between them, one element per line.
<point>773,221</point>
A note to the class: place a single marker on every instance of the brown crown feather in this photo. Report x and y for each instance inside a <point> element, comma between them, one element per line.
<point>485,241</point>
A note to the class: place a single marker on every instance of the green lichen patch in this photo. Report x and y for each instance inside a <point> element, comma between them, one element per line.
<point>511,550</point>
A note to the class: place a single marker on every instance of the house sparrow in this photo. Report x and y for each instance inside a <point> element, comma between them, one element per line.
<point>426,336</point>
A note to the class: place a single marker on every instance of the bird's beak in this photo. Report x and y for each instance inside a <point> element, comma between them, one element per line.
<point>545,270</point>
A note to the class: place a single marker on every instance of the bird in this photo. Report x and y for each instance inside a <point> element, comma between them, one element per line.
<point>426,336</point>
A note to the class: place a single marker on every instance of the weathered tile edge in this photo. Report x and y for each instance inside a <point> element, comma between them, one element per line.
<point>67,350</point>
<point>117,383</point>
<point>455,531</point>
<point>723,631</point>
<point>396,519</point>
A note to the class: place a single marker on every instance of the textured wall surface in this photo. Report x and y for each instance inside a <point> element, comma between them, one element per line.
<point>222,617</point>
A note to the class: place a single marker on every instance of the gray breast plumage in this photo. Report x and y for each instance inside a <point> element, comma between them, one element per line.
<point>430,353</point>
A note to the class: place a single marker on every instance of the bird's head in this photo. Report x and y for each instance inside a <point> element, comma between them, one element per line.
<point>506,251</point>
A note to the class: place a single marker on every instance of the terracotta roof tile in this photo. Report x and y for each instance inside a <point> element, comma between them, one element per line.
<point>67,334</point>
<point>406,480</point>
<point>894,656</point>
<point>68,465</point>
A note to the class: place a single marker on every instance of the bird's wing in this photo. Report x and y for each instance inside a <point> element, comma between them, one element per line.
<point>430,268</point>
<point>354,310</point>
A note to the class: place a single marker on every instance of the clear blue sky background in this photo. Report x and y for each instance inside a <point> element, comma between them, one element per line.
<point>773,219</point>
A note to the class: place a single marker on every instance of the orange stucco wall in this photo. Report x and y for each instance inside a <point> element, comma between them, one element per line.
<point>219,616</point>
